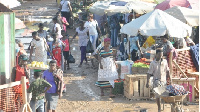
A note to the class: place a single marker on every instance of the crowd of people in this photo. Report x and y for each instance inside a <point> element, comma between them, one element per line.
<point>49,84</point>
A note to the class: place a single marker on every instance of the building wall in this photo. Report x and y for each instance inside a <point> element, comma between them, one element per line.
<point>7,43</point>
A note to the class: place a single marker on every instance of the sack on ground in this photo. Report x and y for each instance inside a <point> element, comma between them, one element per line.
<point>89,47</point>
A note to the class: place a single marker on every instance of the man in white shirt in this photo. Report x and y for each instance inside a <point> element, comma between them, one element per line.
<point>160,71</point>
<point>66,9</point>
<point>92,25</point>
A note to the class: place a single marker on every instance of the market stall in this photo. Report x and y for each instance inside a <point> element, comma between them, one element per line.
<point>185,66</point>
<point>156,23</point>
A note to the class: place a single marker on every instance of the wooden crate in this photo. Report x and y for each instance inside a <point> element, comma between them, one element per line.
<point>142,70</point>
<point>135,87</point>
<point>188,85</point>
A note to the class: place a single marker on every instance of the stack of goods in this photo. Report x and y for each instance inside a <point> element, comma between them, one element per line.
<point>38,65</point>
<point>119,87</point>
<point>176,89</point>
<point>194,50</point>
<point>140,66</point>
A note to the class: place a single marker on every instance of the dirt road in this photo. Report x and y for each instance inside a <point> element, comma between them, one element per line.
<point>82,95</point>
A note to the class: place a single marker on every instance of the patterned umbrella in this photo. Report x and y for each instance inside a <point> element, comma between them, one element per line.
<point>171,3</point>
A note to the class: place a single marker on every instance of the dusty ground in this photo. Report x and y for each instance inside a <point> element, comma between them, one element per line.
<point>82,95</point>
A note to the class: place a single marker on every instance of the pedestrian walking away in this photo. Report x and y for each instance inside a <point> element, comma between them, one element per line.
<point>66,9</point>
<point>38,88</point>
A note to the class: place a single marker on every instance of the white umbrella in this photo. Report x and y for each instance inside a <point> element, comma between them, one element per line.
<point>99,7</point>
<point>116,9</point>
<point>110,7</point>
<point>157,23</point>
<point>194,4</point>
<point>186,15</point>
<point>141,7</point>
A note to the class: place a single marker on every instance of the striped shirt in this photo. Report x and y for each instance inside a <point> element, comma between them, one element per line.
<point>105,54</point>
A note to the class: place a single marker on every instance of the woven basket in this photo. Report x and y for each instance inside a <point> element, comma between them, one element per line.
<point>142,70</point>
<point>134,70</point>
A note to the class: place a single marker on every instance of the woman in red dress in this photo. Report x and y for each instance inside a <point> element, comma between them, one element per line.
<point>57,49</point>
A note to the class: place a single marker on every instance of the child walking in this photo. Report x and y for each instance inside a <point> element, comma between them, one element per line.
<point>66,50</point>
<point>38,90</point>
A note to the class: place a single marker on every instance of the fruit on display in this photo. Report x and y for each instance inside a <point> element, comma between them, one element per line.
<point>142,60</point>
<point>38,64</point>
<point>141,63</point>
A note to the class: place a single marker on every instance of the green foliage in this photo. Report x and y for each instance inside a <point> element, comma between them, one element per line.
<point>140,65</point>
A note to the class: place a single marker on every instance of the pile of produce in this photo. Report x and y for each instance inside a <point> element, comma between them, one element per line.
<point>141,63</point>
<point>38,65</point>
<point>119,87</point>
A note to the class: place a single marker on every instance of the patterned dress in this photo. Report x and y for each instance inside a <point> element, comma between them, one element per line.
<point>40,51</point>
<point>109,71</point>
<point>57,52</point>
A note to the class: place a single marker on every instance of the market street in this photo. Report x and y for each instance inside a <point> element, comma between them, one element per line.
<point>82,93</point>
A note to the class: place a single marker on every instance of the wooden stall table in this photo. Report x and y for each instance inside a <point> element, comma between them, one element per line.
<point>135,87</point>
<point>196,85</point>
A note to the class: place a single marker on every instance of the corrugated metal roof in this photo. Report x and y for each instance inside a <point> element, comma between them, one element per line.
<point>4,8</point>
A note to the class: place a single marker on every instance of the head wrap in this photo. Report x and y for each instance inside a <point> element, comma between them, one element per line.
<point>106,39</point>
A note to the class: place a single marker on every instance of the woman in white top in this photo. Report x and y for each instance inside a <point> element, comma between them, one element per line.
<point>57,28</point>
<point>66,9</point>
<point>41,32</point>
<point>41,48</point>
<point>82,33</point>
<point>92,25</point>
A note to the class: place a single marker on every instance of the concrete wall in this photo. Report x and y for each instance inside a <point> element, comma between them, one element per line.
<point>7,43</point>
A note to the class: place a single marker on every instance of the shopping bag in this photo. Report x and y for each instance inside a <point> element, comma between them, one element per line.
<point>89,47</point>
<point>71,59</point>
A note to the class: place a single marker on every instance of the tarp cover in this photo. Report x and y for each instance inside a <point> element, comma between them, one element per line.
<point>186,15</point>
